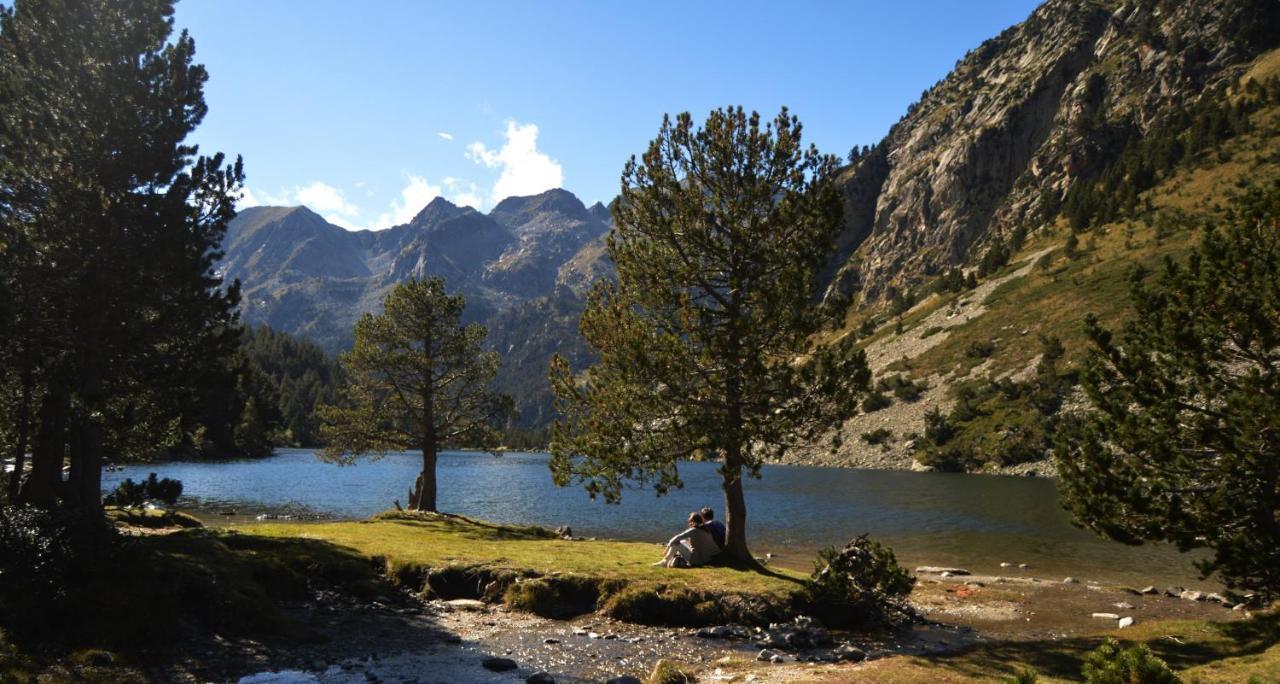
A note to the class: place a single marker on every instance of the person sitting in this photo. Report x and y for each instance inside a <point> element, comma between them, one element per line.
<point>715,527</point>
<point>691,548</point>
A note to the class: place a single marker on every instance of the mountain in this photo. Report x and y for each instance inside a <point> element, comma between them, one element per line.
<point>994,146</point>
<point>307,277</point>
<point>1053,158</point>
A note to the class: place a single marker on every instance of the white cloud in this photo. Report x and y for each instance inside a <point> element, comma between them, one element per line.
<point>327,200</point>
<point>525,170</point>
<point>417,193</point>
<point>462,193</point>
<point>445,136</point>
<point>247,199</point>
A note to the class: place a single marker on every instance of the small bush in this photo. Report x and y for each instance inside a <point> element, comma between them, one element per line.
<point>1109,664</point>
<point>131,494</point>
<point>861,585</point>
<point>877,436</point>
<point>980,349</point>
<point>1024,677</point>
<point>875,401</point>
<point>668,672</point>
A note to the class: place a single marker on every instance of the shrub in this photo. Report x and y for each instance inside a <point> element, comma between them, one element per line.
<point>980,349</point>
<point>669,672</point>
<point>875,401</point>
<point>1024,677</point>
<point>130,493</point>
<point>861,585</point>
<point>877,436</point>
<point>1109,664</point>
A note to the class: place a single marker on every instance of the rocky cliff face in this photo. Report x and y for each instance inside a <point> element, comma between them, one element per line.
<point>1022,117</point>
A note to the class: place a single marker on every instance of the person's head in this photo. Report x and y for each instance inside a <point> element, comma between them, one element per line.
<point>695,519</point>
<point>707,514</point>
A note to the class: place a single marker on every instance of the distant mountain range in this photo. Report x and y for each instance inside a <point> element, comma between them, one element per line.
<point>523,268</point>
<point>986,157</point>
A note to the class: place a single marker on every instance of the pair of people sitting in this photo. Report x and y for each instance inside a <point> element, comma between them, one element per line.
<point>702,539</point>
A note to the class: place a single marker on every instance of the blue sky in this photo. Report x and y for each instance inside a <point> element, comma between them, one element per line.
<point>366,111</point>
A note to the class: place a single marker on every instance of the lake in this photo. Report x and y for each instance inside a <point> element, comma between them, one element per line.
<point>974,521</point>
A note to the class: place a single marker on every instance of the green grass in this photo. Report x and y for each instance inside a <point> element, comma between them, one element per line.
<point>1198,651</point>
<point>427,541</point>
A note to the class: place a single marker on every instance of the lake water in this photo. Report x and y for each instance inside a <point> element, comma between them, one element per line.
<point>974,521</point>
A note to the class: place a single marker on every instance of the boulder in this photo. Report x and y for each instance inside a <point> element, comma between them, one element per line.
<point>849,652</point>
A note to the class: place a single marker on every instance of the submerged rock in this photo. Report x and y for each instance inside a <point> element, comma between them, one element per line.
<point>499,664</point>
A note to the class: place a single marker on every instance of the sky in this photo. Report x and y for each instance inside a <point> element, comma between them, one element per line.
<point>367,111</point>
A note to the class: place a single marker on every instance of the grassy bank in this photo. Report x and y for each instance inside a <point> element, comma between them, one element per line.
<point>1196,650</point>
<point>529,568</point>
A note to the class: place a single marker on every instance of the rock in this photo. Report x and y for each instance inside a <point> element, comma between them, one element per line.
<point>1191,596</point>
<point>1173,592</point>
<point>935,570</point>
<point>465,604</point>
<point>624,679</point>
<point>1125,622</point>
<point>578,631</point>
<point>1106,616</point>
<point>550,640</point>
<point>1024,566</point>
<point>594,635</point>
<point>1239,607</point>
<point>848,652</point>
<point>564,532</point>
<point>1218,598</point>
<point>496,664</point>
<point>1006,565</point>
<point>770,655</point>
<point>1123,605</point>
<point>540,678</point>
<point>1070,580</point>
<point>1148,590</point>
<point>101,658</point>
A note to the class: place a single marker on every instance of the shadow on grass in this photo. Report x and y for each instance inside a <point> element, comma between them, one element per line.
<point>468,528</point>
<point>1182,645</point>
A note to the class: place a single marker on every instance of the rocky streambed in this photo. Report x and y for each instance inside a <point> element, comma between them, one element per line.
<point>470,641</point>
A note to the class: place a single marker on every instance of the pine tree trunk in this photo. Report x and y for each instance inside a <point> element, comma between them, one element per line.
<point>735,508</point>
<point>24,427</point>
<point>41,488</point>
<point>84,490</point>
<point>427,482</point>
<point>426,490</point>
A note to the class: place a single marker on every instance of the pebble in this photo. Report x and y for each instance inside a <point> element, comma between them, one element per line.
<point>935,570</point>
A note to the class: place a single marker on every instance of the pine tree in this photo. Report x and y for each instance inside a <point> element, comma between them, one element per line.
<point>110,225</point>
<point>417,379</point>
<point>1182,444</point>
<point>717,237</point>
